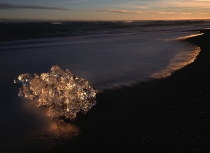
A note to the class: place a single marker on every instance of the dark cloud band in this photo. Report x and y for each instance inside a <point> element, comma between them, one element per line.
<point>117,11</point>
<point>13,6</point>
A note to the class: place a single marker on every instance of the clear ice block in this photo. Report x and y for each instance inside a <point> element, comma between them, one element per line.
<point>63,93</point>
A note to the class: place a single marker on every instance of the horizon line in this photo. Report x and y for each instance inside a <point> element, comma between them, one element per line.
<point>63,20</point>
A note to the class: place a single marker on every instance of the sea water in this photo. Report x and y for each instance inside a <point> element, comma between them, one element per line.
<point>112,58</point>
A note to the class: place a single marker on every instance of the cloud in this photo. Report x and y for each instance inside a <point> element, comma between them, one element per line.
<point>186,13</point>
<point>134,12</point>
<point>72,1</point>
<point>167,13</point>
<point>203,13</point>
<point>170,4</point>
<point>118,11</point>
<point>146,12</point>
<point>202,0</point>
<point>13,6</point>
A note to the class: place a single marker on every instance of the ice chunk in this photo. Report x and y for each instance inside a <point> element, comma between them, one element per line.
<point>62,92</point>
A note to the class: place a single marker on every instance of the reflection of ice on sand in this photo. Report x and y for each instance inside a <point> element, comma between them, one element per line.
<point>57,134</point>
<point>46,133</point>
<point>61,128</point>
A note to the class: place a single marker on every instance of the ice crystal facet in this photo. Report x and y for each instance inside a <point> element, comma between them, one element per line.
<point>62,92</point>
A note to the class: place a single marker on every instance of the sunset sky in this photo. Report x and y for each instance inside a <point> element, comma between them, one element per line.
<point>105,10</point>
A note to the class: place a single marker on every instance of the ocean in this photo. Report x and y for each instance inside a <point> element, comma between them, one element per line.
<point>109,54</point>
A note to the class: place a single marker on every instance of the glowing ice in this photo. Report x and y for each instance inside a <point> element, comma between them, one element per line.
<point>63,93</point>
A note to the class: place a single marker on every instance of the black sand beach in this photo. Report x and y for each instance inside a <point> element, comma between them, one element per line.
<point>168,115</point>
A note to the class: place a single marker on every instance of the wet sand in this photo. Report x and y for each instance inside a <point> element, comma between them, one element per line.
<point>168,115</point>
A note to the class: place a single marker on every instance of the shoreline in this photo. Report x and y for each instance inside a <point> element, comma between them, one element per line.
<point>170,114</point>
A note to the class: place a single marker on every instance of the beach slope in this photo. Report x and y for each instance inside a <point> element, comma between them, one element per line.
<point>169,115</point>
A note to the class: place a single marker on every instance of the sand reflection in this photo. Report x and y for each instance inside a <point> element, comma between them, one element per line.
<point>46,132</point>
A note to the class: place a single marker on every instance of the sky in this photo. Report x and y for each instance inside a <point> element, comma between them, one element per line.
<point>105,10</point>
